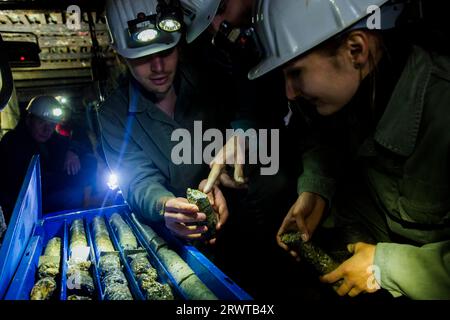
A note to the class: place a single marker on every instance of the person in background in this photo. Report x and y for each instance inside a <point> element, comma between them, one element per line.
<point>74,129</point>
<point>63,178</point>
<point>380,162</point>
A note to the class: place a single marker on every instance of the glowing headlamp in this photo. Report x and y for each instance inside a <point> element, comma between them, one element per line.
<point>168,18</point>
<point>57,112</point>
<point>113,181</point>
<point>143,29</point>
<point>169,25</point>
<point>169,15</point>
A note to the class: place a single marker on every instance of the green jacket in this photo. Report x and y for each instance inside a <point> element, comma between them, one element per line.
<point>136,138</point>
<point>406,164</point>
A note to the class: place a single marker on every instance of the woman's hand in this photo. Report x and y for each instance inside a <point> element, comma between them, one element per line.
<point>304,217</point>
<point>219,204</point>
<point>358,272</point>
<point>233,153</point>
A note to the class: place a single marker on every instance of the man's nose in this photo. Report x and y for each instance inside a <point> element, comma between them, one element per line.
<point>157,64</point>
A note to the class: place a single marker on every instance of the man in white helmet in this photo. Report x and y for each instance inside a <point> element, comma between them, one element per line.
<point>137,121</point>
<point>378,107</point>
<point>62,184</point>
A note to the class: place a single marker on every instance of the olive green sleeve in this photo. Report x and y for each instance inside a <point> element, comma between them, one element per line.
<point>416,272</point>
<point>318,173</point>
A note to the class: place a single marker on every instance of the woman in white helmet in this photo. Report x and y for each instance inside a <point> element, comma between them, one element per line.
<point>160,96</point>
<point>379,109</point>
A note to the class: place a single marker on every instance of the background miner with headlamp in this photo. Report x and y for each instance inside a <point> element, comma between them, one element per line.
<point>64,169</point>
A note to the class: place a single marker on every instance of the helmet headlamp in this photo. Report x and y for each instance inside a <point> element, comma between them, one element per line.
<point>149,28</point>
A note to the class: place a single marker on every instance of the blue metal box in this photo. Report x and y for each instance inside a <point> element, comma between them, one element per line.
<point>29,232</point>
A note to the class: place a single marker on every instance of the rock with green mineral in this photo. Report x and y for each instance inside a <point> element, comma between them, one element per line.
<point>146,280</point>
<point>78,298</point>
<point>49,263</point>
<point>201,200</point>
<point>140,264</point>
<point>77,235</point>
<point>312,254</point>
<point>80,282</point>
<point>179,269</point>
<point>48,266</point>
<point>147,277</point>
<point>158,291</point>
<point>43,289</point>
<point>109,262</point>
<point>114,281</point>
<point>191,286</point>
<point>78,265</point>
<point>194,289</point>
<point>53,248</point>
<point>126,236</point>
<point>114,277</point>
<point>48,269</point>
<point>101,235</point>
<point>118,291</point>
<point>152,238</point>
<point>158,243</point>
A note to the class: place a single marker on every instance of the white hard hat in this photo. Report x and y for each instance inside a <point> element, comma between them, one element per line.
<point>47,108</point>
<point>134,30</point>
<point>289,28</point>
<point>198,16</point>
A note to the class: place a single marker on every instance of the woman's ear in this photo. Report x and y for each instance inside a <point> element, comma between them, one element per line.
<point>357,47</point>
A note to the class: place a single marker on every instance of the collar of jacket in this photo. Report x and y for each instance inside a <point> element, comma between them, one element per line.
<point>399,125</point>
